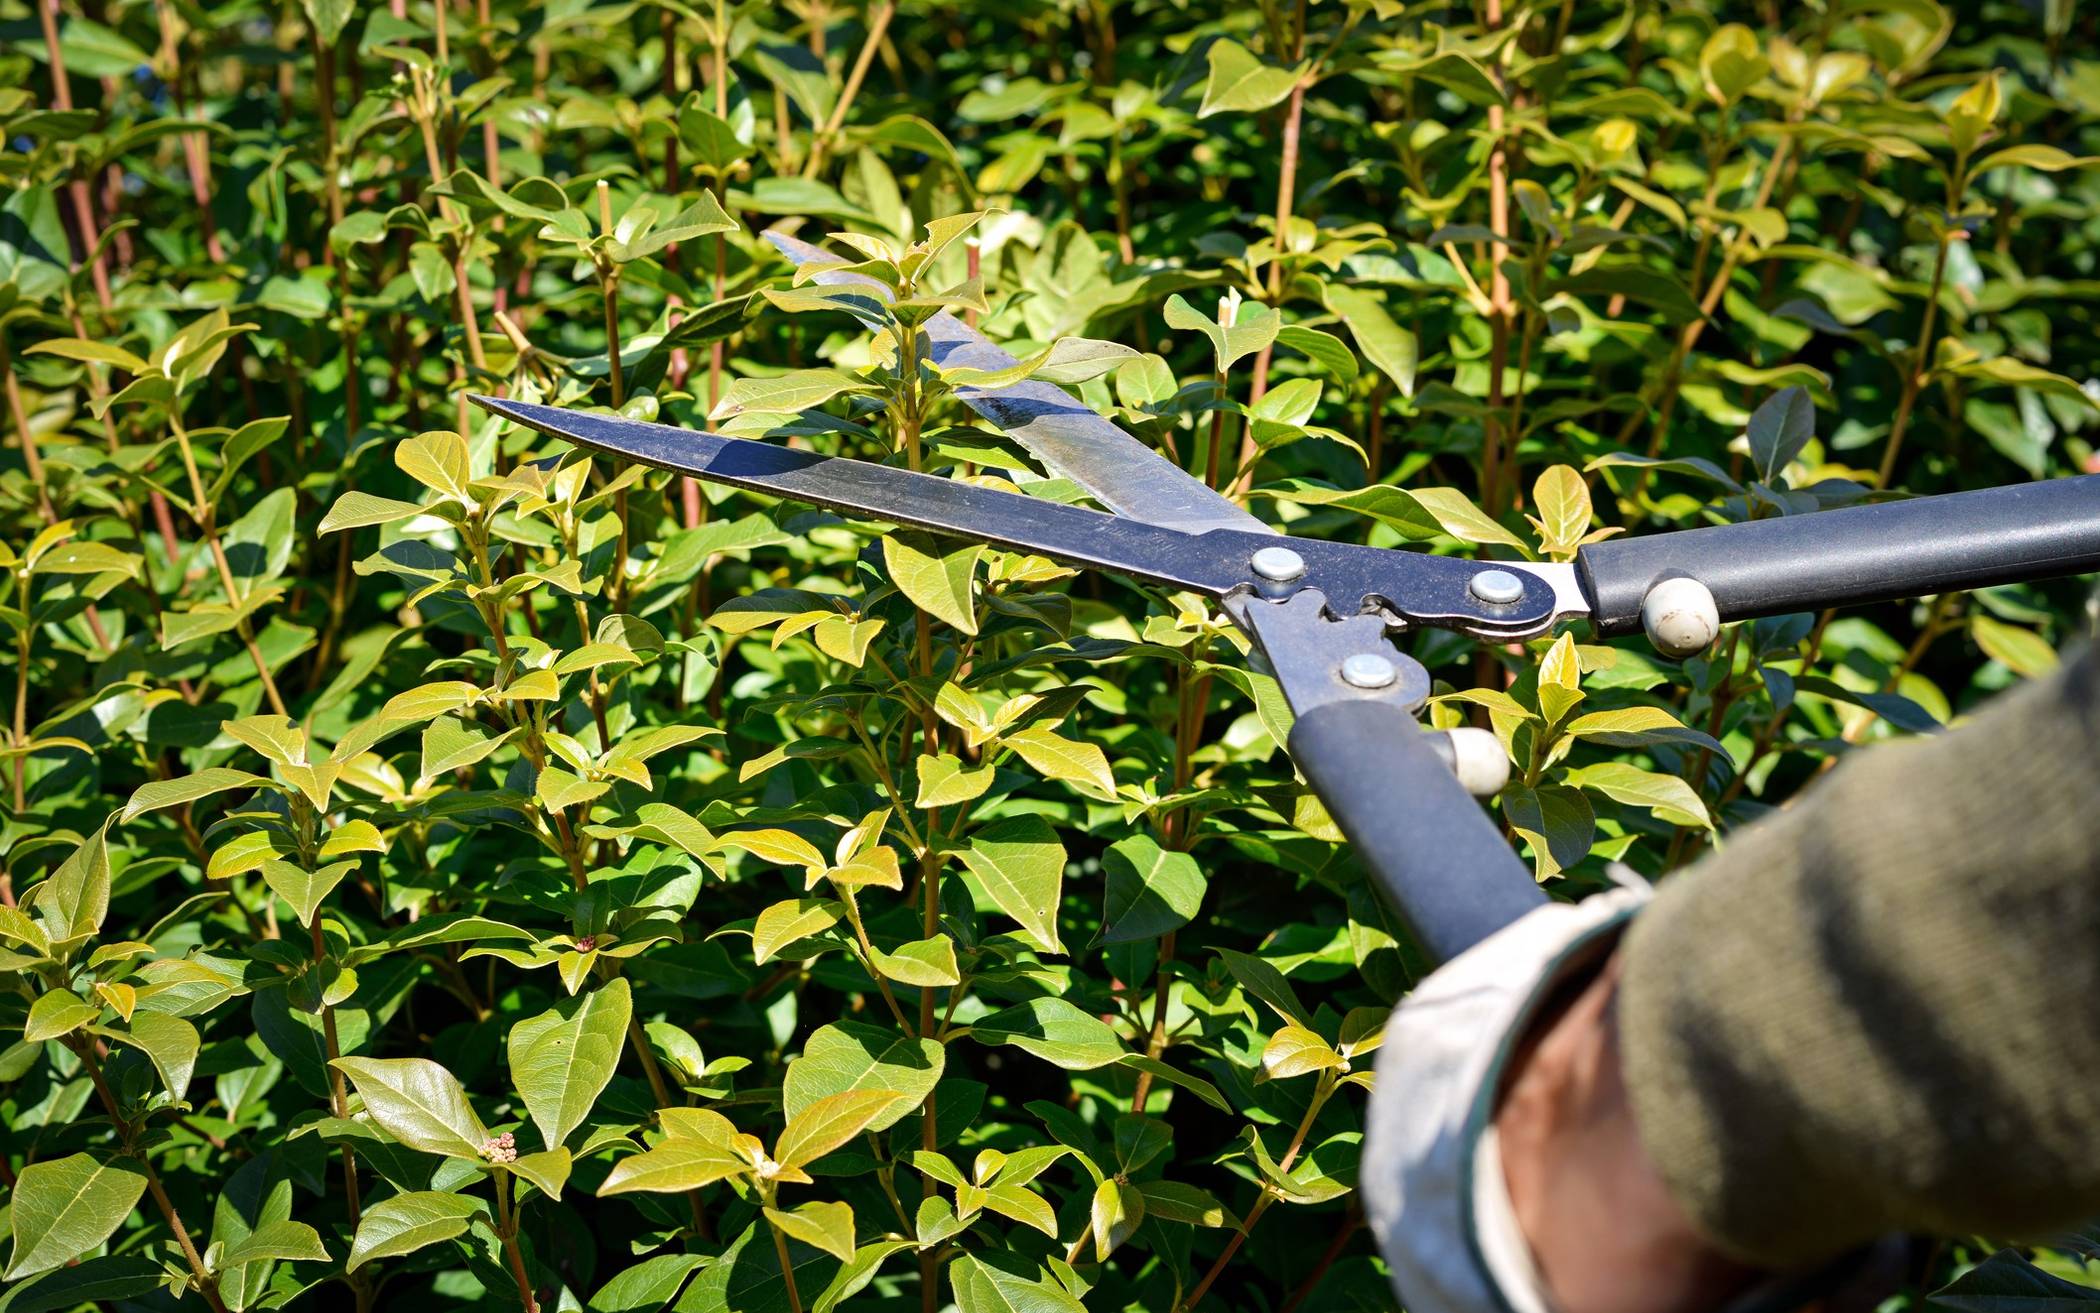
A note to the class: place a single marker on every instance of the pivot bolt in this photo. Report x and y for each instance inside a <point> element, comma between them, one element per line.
<point>1496,587</point>
<point>1278,565</point>
<point>1369,670</point>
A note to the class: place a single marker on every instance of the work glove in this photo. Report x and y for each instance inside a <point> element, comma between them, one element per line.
<point>1432,1181</point>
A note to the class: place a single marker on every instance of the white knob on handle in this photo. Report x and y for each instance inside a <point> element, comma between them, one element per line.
<point>1681,617</point>
<point>1478,760</point>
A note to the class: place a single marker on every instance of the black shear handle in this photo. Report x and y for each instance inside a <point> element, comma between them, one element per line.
<point>1876,553</point>
<point>1437,855</point>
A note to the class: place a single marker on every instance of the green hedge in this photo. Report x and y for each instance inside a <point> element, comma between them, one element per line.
<point>443,868</point>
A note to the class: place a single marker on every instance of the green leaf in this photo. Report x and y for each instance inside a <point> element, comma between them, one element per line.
<point>1195,1085</point>
<point>1021,866</point>
<point>937,581</point>
<point>1329,352</point>
<point>88,350</point>
<point>1456,514</point>
<point>702,218</point>
<point>1296,1051</point>
<point>673,1167</point>
<point>427,701</point>
<point>562,1059</point>
<point>404,1223</point>
<point>1266,983</point>
<point>171,1043</point>
<point>2007,1283</point>
<point>827,1123</point>
<point>995,1281</point>
<point>549,1170</point>
<point>304,890</point>
<point>77,894</point>
<point>284,1241</point>
<point>2022,651</point>
<point>1670,798</point>
<point>925,963</point>
<point>438,460</point>
<point>1252,327</point>
<point>1118,1210</point>
<point>1184,1203</point>
<point>329,17</point>
<point>419,1103</point>
<point>1730,63</point>
<point>1564,510</point>
<point>98,1281</point>
<point>1779,429</point>
<point>56,1013</point>
<point>2033,155</point>
<point>64,1207</point>
<point>851,1055</point>
<point>450,744</point>
<point>789,922</point>
<point>1241,82</point>
<point>1384,343</point>
<point>828,1226</point>
<point>1055,757</point>
<point>356,510</point>
<point>1659,291</point>
<point>649,1285</point>
<point>1151,890</point>
<point>1054,1030</point>
<point>92,50</point>
<point>788,394</point>
<point>558,789</point>
<point>945,781</point>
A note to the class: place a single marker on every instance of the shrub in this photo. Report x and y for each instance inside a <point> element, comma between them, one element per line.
<point>443,866</point>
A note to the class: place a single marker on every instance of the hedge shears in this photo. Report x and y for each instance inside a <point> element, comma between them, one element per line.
<point>1321,615</point>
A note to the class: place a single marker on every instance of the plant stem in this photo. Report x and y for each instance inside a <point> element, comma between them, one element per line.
<point>1342,1235</point>
<point>19,413</point>
<point>867,960</point>
<point>930,731</point>
<point>1769,734</point>
<point>47,12</point>
<point>305,821</point>
<point>1673,374</point>
<point>207,1285</point>
<point>422,106</point>
<point>21,736</point>
<point>1494,439</point>
<point>205,514</point>
<point>787,1267</point>
<point>1268,1195</point>
<point>507,1228</point>
<point>1920,368</point>
<point>195,154</point>
<point>1286,195</point>
<point>878,23</point>
<point>609,281</point>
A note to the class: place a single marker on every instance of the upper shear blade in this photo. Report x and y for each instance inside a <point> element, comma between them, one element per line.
<point>1213,564</point>
<point>1075,441</point>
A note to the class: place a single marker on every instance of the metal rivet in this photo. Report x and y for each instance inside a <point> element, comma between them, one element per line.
<point>1278,565</point>
<point>1369,670</point>
<point>1496,587</point>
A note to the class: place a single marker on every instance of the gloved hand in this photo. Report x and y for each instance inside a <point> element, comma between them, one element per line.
<point>1503,1172</point>
<point>1432,1179</point>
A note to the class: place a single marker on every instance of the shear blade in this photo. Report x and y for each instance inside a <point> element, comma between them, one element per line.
<point>1213,563</point>
<point>1070,437</point>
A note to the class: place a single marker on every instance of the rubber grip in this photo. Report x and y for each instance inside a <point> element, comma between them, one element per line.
<point>1878,553</point>
<point>1437,855</point>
